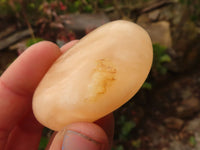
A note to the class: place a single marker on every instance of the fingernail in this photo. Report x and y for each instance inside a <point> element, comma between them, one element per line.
<point>76,141</point>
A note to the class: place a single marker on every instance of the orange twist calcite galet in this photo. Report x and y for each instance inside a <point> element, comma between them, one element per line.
<point>95,77</point>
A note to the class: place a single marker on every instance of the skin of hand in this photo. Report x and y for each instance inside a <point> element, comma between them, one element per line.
<point>19,130</point>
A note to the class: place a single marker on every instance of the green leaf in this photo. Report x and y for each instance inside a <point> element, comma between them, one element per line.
<point>77,4</point>
<point>160,57</point>
<point>121,120</point>
<point>32,5</point>
<point>136,143</point>
<point>33,41</point>
<point>2,1</point>
<point>88,8</point>
<point>162,70</point>
<point>192,141</point>
<point>18,7</point>
<point>159,48</point>
<point>147,86</point>
<point>43,143</point>
<point>119,147</point>
<point>165,58</point>
<point>127,127</point>
<point>101,1</point>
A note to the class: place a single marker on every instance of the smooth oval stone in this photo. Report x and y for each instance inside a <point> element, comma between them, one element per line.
<point>95,77</point>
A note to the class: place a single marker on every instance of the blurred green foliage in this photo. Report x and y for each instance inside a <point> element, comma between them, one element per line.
<point>32,41</point>
<point>126,129</point>
<point>192,141</point>
<point>126,126</point>
<point>118,147</point>
<point>4,8</point>
<point>43,143</point>
<point>136,143</point>
<point>160,58</point>
<point>147,85</point>
<point>193,9</point>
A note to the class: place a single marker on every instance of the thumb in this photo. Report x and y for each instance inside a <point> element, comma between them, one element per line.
<point>81,136</point>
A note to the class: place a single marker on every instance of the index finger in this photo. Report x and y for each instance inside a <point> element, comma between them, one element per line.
<point>18,83</point>
<point>23,76</point>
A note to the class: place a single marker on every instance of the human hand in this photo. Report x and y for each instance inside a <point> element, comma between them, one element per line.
<point>19,130</point>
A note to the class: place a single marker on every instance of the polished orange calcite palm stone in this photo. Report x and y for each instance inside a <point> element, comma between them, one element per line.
<point>95,77</point>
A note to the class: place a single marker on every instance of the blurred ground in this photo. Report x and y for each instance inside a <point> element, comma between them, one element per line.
<point>165,113</point>
<point>171,117</point>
